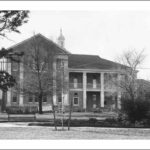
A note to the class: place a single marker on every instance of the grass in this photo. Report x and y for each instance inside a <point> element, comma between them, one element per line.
<point>23,132</point>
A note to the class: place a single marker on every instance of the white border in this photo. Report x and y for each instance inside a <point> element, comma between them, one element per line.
<point>75,6</point>
<point>74,144</point>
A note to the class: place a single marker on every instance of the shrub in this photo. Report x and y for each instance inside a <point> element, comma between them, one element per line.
<point>92,120</point>
<point>21,109</point>
<point>136,110</point>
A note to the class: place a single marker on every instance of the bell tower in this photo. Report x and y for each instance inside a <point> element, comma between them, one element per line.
<point>61,39</point>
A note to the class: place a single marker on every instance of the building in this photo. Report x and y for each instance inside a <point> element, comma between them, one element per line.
<point>84,80</point>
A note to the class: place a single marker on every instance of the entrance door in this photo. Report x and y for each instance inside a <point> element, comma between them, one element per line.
<point>93,100</point>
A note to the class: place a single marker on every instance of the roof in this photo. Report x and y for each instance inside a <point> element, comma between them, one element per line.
<point>58,49</point>
<point>76,61</point>
<point>145,83</point>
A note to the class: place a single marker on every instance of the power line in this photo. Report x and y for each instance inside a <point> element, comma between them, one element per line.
<point>143,68</point>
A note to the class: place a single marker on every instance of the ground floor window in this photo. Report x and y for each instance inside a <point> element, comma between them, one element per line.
<point>110,100</point>
<point>59,97</point>
<point>44,98</point>
<point>36,98</point>
<point>14,98</point>
<point>76,99</point>
<point>30,98</point>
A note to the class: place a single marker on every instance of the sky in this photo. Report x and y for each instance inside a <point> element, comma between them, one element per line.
<point>107,33</point>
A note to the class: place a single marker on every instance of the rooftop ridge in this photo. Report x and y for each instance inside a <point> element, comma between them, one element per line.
<point>38,34</point>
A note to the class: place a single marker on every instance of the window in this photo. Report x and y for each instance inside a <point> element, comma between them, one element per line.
<point>94,106</point>
<point>59,98</point>
<point>15,66</point>
<point>75,94</point>
<point>30,98</point>
<point>14,98</point>
<point>75,82</point>
<point>44,98</point>
<point>94,83</point>
<point>94,97</point>
<point>75,99</point>
<point>36,99</point>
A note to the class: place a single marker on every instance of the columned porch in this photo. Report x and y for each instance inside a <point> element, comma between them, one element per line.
<point>95,87</point>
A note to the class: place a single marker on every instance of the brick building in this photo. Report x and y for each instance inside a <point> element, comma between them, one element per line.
<point>85,78</point>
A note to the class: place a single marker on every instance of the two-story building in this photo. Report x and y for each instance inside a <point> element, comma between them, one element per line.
<point>89,79</point>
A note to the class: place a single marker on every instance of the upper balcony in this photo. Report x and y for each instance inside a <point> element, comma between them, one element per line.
<point>80,86</point>
<point>93,86</point>
<point>75,85</point>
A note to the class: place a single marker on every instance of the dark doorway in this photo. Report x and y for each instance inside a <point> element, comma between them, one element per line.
<point>93,100</point>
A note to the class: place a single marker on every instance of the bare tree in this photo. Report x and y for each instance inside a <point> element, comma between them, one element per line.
<point>36,79</point>
<point>130,61</point>
<point>39,73</point>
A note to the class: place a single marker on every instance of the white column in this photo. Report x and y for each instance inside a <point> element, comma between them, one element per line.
<point>54,82</point>
<point>84,90</point>
<point>9,90</point>
<point>102,90</point>
<point>66,83</point>
<point>119,93</point>
<point>21,84</point>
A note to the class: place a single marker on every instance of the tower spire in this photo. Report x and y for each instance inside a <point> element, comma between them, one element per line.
<point>61,39</point>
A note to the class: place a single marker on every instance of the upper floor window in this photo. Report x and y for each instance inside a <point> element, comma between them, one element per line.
<point>94,83</point>
<point>2,64</point>
<point>15,66</point>
<point>60,64</point>
<point>75,81</point>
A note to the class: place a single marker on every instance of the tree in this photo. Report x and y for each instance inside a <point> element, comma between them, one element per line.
<point>133,102</point>
<point>6,80</point>
<point>36,79</point>
<point>130,61</point>
<point>10,21</point>
<point>39,78</point>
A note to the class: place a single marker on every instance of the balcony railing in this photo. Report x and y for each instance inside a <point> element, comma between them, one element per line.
<point>93,86</point>
<point>76,85</point>
<point>80,86</point>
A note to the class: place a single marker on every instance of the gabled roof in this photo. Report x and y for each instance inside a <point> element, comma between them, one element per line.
<point>76,61</point>
<point>144,83</point>
<point>58,49</point>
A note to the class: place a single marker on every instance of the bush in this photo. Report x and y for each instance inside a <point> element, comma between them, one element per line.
<point>92,121</point>
<point>21,109</point>
<point>137,110</point>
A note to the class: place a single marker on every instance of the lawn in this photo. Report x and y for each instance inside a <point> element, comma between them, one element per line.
<point>22,131</point>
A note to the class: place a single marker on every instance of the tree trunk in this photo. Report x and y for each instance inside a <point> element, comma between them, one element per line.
<point>70,112</point>
<point>3,107</point>
<point>40,103</point>
<point>55,124</point>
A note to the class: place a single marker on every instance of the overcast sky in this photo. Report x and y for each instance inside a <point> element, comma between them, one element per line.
<point>104,33</point>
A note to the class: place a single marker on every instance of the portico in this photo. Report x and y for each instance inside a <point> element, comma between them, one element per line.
<point>93,85</point>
